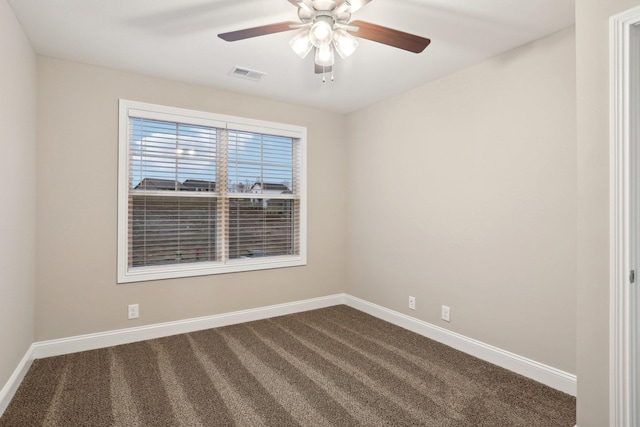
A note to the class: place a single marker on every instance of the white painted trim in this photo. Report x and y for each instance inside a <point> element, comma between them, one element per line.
<point>128,109</point>
<point>537,371</point>
<point>57,347</point>
<point>124,336</point>
<point>624,38</point>
<point>10,388</point>
<point>544,374</point>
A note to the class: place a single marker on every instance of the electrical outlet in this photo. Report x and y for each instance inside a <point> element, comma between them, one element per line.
<point>412,303</point>
<point>134,311</point>
<point>446,311</point>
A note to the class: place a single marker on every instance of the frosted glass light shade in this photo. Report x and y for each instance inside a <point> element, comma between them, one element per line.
<point>301,43</point>
<point>344,43</point>
<point>325,56</point>
<point>321,32</point>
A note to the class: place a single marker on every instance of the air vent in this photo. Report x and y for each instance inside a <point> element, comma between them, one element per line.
<point>246,73</point>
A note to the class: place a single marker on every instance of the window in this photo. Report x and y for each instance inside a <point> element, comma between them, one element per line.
<point>201,193</point>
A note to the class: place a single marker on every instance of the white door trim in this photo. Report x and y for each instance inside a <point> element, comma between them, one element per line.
<point>624,198</point>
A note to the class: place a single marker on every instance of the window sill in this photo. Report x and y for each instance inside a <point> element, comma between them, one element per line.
<point>141,274</point>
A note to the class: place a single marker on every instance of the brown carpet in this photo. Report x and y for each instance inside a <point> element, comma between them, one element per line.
<point>330,367</point>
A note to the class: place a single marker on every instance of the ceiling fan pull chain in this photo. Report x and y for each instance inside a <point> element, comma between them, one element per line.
<point>324,74</point>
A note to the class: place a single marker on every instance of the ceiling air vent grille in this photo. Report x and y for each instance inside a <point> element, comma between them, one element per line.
<point>246,73</point>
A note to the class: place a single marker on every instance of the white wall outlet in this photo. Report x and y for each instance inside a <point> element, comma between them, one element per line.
<point>134,311</point>
<point>412,303</point>
<point>446,311</point>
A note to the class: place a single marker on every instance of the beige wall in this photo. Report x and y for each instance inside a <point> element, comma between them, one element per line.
<point>481,211</point>
<point>482,207</point>
<point>77,183</point>
<point>18,178</point>
<point>463,192</point>
<point>592,39</point>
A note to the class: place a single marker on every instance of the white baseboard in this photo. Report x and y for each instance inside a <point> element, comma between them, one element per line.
<point>57,347</point>
<point>124,336</point>
<point>544,374</point>
<point>10,388</point>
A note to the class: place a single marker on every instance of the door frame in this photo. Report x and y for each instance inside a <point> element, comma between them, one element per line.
<point>624,202</point>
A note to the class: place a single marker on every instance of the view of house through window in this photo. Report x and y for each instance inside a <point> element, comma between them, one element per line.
<point>203,195</point>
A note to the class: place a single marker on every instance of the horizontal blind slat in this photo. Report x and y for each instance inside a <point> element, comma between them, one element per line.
<point>172,230</point>
<point>172,158</point>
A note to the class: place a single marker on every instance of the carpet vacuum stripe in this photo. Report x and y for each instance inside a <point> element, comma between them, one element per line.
<point>333,366</point>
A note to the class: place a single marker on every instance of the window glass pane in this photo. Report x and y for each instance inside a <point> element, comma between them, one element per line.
<point>262,227</point>
<point>261,164</point>
<point>172,230</point>
<point>197,192</point>
<point>171,156</point>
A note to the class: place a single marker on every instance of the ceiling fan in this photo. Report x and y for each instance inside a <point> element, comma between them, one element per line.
<point>326,26</point>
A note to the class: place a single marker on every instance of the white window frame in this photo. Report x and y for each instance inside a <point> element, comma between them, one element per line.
<point>128,274</point>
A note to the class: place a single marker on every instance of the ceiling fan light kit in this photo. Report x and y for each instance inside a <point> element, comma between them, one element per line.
<point>301,44</point>
<point>321,31</point>
<point>325,56</point>
<point>344,43</point>
<point>325,26</point>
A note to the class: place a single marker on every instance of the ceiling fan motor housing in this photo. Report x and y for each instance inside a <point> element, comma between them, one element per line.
<point>311,11</point>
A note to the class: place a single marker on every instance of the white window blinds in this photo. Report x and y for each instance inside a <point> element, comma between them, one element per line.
<point>206,195</point>
<point>262,166</point>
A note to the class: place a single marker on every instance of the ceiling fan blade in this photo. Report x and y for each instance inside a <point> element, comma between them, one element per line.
<point>263,30</point>
<point>321,70</point>
<point>389,36</point>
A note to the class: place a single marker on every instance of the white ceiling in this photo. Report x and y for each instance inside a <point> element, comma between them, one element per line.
<point>178,39</point>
